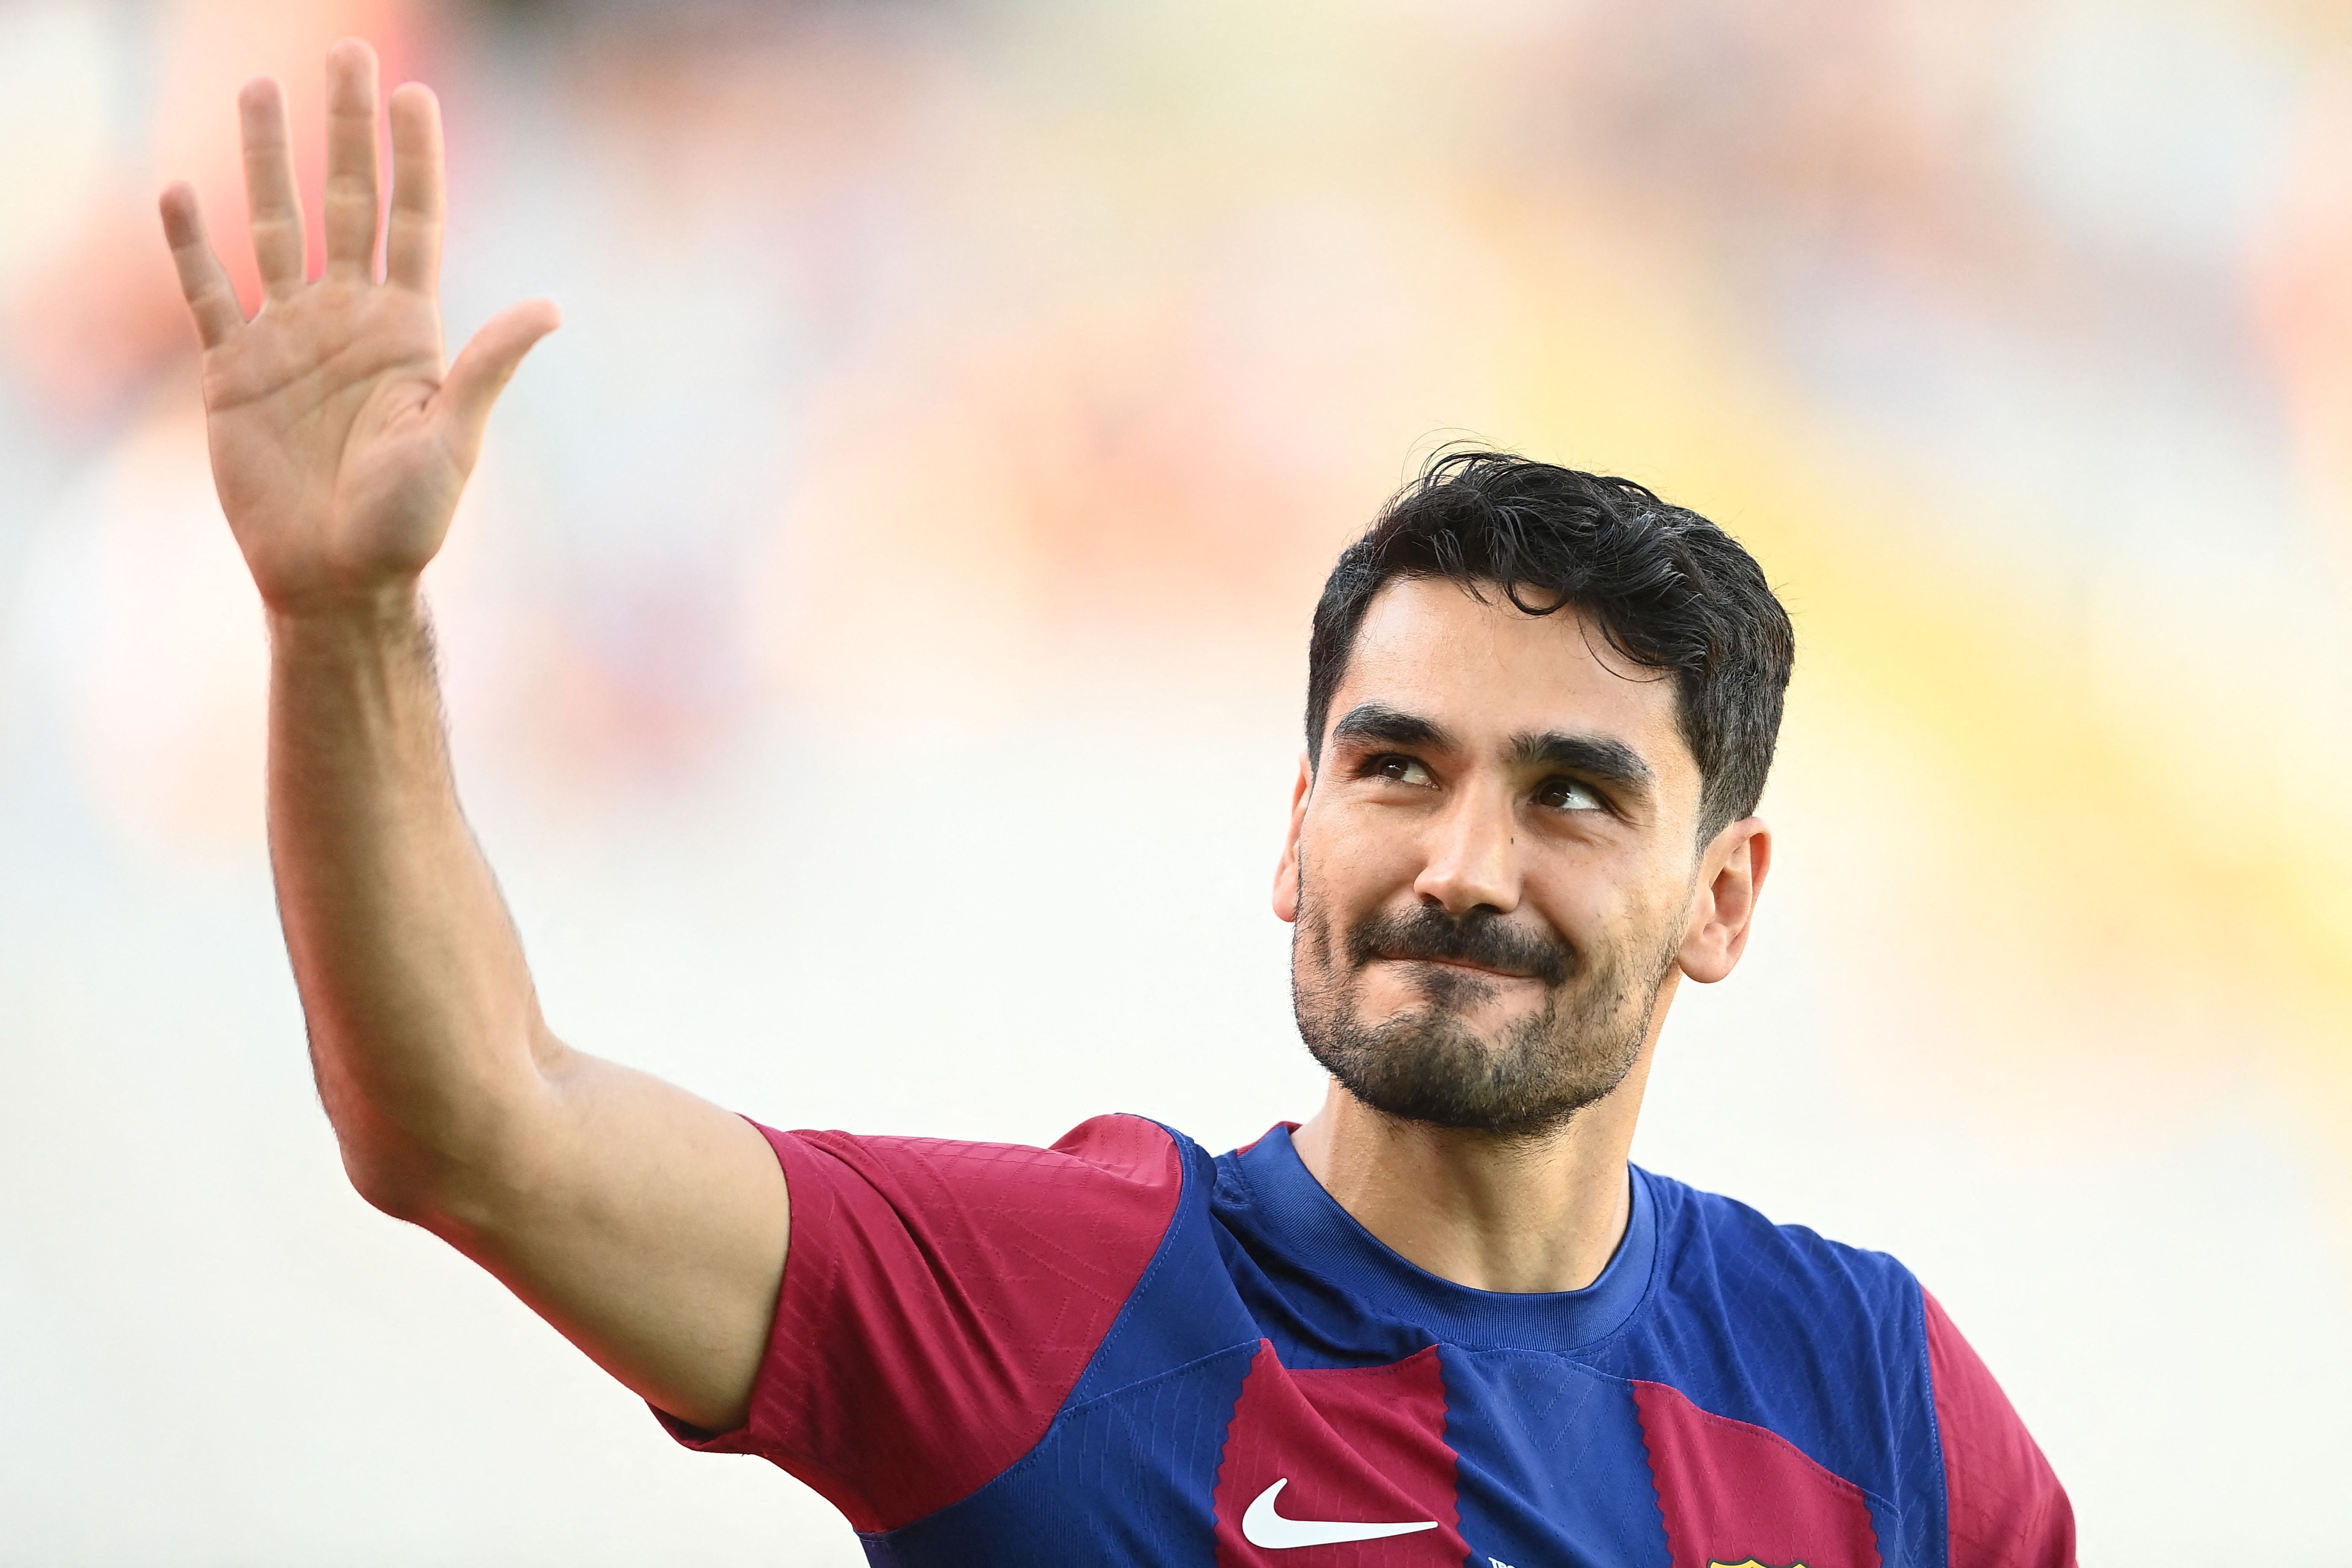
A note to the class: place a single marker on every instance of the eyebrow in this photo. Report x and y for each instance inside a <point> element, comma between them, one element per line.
<point>1595,757</point>
<point>1377,723</point>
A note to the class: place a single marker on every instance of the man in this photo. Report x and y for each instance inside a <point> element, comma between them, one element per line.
<point>1443,1322</point>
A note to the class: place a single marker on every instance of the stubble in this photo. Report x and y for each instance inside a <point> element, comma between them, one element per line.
<point>1428,1064</point>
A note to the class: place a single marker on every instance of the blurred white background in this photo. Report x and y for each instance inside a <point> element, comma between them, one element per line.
<point>875,642</point>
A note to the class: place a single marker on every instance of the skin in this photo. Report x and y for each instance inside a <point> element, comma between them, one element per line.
<point>1464,818</point>
<point>647,1226</point>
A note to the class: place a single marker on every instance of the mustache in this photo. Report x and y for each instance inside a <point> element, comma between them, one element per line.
<point>1481,938</point>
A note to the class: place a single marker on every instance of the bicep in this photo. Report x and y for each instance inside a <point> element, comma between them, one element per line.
<point>646,1225</point>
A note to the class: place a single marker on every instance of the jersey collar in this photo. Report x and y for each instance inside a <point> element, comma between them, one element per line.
<point>1303,1221</point>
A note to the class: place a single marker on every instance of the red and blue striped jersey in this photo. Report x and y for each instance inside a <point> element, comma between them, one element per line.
<point>1122,1352</point>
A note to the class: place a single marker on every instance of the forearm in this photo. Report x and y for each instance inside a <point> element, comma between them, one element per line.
<point>425,1029</point>
<point>645,1224</point>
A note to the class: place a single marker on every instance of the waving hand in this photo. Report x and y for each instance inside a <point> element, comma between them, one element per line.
<point>340,440</point>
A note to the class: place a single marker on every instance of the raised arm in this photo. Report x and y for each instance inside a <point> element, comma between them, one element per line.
<point>646,1225</point>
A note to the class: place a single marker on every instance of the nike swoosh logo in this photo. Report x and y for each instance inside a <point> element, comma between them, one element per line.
<point>1260,1526</point>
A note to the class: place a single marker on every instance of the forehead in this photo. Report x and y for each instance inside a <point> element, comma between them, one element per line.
<point>1489,672</point>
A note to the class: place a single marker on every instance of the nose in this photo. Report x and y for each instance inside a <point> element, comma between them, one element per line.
<point>1473,857</point>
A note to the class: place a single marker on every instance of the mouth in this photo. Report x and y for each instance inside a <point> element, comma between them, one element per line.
<point>1462,965</point>
<point>1450,952</point>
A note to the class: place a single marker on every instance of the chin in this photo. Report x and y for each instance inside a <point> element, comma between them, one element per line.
<point>1490,1010</point>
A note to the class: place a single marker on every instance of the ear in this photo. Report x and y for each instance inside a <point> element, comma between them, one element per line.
<point>1286,874</point>
<point>1731,875</point>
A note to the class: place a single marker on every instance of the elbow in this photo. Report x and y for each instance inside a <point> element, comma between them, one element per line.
<point>454,1188</point>
<point>438,1164</point>
<point>392,1185</point>
<point>397,1173</point>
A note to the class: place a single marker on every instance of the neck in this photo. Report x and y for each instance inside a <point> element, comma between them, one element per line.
<point>1492,1213</point>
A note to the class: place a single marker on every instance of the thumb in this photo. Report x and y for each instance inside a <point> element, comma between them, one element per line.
<point>485,366</point>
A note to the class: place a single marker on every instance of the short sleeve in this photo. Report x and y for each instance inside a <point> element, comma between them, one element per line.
<point>940,1301</point>
<point>2004,1503</point>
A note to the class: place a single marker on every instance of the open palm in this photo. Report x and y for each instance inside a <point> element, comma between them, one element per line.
<point>340,442</point>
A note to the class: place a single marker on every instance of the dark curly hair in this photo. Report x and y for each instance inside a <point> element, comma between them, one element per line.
<point>1666,587</point>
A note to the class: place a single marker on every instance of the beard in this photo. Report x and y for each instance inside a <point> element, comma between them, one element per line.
<point>1428,1064</point>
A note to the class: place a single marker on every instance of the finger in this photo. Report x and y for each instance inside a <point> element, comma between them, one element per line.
<point>202,280</point>
<point>353,204</point>
<point>412,253</point>
<point>484,368</point>
<point>269,196</point>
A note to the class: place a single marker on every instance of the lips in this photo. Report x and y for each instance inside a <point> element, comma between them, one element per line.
<point>1462,963</point>
<point>1483,944</point>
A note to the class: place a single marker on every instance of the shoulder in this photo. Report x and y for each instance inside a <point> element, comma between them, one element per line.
<point>1721,1256</point>
<point>887,1231</point>
<point>1840,1350</point>
<point>1776,1329</point>
<point>1112,1176</point>
<point>1779,1318</point>
<point>1101,1154</point>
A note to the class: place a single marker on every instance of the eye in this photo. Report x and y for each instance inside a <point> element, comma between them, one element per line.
<point>1404,769</point>
<point>1568,795</point>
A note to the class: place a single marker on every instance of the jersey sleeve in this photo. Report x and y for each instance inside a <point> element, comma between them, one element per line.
<point>2004,1503</point>
<point>940,1301</point>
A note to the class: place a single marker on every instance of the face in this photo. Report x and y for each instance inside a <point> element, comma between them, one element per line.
<point>1494,872</point>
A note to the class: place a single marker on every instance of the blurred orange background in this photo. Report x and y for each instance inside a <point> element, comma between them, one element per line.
<point>876,641</point>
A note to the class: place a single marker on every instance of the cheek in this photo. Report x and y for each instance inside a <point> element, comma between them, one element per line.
<point>1366,851</point>
<point>1338,887</point>
<point>1601,902</point>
